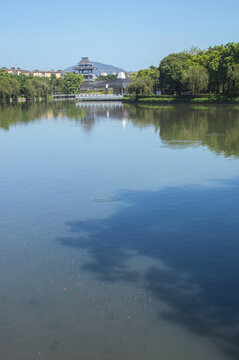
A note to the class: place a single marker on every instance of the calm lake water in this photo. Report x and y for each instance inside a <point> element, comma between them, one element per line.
<point>119,232</point>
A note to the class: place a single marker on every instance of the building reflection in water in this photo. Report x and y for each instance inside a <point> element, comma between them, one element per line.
<point>99,110</point>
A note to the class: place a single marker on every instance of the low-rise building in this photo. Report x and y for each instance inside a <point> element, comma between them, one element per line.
<point>103,73</point>
<point>16,71</point>
<point>48,74</point>
<point>40,73</point>
<point>119,85</point>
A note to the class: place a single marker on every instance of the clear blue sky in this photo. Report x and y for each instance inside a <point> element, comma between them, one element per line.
<point>130,34</point>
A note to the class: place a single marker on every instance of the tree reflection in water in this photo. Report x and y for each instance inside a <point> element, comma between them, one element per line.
<point>216,127</point>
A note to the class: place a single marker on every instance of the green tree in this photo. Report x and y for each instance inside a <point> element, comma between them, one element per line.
<point>9,87</point>
<point>140,86</point>
<point>21,79</point>
<point>218,61</point>
<point>35,88</point>
<point>29,89</point>
<point>15,88</point>
<point>196,79</point>
<point>41,86</point>
<point>233,79</point>
<point>151,73</point>
<point>5,88</point>
<point>55,84</point>
<point>172,72</point>
<point>71,83</point>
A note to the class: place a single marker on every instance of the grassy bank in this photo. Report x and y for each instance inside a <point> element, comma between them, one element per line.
<point>175,99</point>
<point>49,98</point>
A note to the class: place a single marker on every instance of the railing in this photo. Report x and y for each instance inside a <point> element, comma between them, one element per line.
<point>63,96</point>
<point>98,97</point>
<point>89,97</point>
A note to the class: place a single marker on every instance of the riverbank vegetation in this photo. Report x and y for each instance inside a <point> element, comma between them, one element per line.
<point>214,71</point>
<point>186,99</point>
<point>195,76</point>
<point>31,87</point>
<point>144,83</point>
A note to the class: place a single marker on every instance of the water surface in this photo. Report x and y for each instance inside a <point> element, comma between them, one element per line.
<point>119,232</point>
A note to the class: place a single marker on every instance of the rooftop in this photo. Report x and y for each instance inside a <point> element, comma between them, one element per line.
<point>85,61</point>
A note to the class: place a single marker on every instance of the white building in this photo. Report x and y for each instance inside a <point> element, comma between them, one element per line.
<point>121,75</point>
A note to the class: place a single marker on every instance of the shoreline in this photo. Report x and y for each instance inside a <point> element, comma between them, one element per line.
<point>176,99</point>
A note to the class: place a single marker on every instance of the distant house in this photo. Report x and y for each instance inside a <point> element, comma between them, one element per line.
<point>48,74</point>
<point>103,73</point>
<point>16,71</point>
<point>41,73</point>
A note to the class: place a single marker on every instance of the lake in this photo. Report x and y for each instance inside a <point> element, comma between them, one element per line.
<point>119,232</point>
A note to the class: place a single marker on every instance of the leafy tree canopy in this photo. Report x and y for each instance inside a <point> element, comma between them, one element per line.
<point>196,79</point>
<point>151,73</point>
<point>172,72</point>
<point>217,60</point>
<point>71,83</point>
<point>140,86</point>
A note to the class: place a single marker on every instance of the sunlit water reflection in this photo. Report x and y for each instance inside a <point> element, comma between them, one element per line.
<point>119,232</point>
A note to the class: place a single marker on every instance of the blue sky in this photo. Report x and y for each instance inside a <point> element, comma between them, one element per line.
<point>130,34</point>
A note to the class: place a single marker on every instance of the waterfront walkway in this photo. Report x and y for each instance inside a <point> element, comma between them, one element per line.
<point>89,97</point>
<point>98,97</point>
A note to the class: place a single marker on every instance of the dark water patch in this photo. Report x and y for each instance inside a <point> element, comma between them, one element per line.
<point>194,231</point>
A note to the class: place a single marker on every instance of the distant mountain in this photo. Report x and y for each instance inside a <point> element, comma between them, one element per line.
<point>100,67</point>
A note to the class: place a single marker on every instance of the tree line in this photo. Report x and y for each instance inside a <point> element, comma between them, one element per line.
<point>211,71</point>
<point>31,87</point>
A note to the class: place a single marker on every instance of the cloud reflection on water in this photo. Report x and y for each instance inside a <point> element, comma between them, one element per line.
<point>195,233</point>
